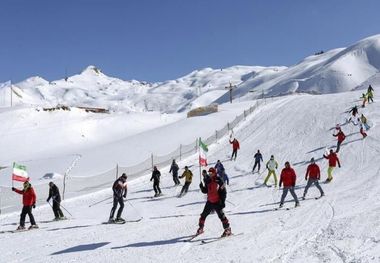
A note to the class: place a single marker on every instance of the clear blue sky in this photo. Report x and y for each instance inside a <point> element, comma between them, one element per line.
<point>157,40</point>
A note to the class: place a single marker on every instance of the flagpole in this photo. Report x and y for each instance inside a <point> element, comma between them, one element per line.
<point>199,158</point>
<point>11,94</point>
<point>12,176</point>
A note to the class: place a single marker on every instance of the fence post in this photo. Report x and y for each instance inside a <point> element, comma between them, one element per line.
<point>216,135</point>
<point>180,152</point>
<point>228,126</point>
<point>117,170</point>
<point>151,156</point>
<point>64,186</point>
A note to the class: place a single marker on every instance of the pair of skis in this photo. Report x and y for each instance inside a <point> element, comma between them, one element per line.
<point>211,240</point>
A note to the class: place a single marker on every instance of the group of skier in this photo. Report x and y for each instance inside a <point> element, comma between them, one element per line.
<point>29,203</point>
<point>213,183</point>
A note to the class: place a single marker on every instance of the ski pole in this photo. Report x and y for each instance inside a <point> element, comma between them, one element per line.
<point>230,203</point>
<point>141,217</point>
<point>61,206</point>
<point>100,201</point>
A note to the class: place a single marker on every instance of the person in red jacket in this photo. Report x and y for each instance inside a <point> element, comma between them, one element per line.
<point>288,177</point>
<point>216,195</point>
<point>333,160</point>
<point>314,174</point>
<point>235,148</point>
<point>29,202</point>
<point>341,137</point>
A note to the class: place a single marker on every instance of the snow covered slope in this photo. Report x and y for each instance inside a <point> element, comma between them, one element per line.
<point>334,71</point>
<point>343,226</point>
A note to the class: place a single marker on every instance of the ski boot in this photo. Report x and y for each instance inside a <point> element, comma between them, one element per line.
<point>297,204</point>
<point>281,205</point>
<point>227,232</point>
<point>111,221</point>
<point>33,227</point>
<point>304,197</point>
<point>20,228</point>
<point>119,220</point>
<point>200,231</point>
<point>62,218</point>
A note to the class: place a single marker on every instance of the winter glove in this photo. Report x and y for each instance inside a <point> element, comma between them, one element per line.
<point>125,195</point>
<point>13,189</point>
<point>47,200</point>
<point>305,178</point>
<point>34,205</point>
<point>339,165</point>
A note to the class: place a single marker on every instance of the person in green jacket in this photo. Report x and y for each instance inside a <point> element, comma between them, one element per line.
<point>271,165</point>
<point>370,95</point>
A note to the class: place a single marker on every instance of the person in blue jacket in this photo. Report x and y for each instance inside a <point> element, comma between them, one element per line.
<point>258,159</point>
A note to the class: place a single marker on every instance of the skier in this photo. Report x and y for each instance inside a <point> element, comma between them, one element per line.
<point>271,165</point>
<point>56,197</point>
<point>364,120</point>
<point>258,158</point>
<point>221,172</point>
<point>362,132</point>
<point>333,160</point>
<point>314,174</point>
<point>235,148</point>
<point>156,181</point>
<point>364,98</point>
<point>188,175</point>
<point>174,169</point>
<point>354,110</point>
<point>370,94</point>
<point>29,202</point>
<point>119,189</point>
<point>288,177</point>
<point>216,197</point>
<point>341,137</point>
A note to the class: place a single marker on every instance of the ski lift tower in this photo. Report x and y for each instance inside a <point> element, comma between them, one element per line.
<point>230,89</point>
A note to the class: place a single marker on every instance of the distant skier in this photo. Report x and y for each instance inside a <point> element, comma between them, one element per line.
<point>288,177</point>
<point>362,131</point>
<point>235,148</point>
<point>370,94</point>
<point>29,202</point>
<point>216,197</point>
<point>221,172</point>
<point>341,137</point>
<point>333,160</point>
<point>119,189</point>
<point>364,99</point>
<point>364,120</point>
<point>258,159</point>
<point>188,175</point>
<point>156,174</point>
<point>174,169</point>
<point>56,197</point>
<point>271,165</point>
<point>314,174</point>
<point>354,110</point>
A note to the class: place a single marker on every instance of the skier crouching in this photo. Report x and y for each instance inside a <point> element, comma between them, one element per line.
<point>216,196</point>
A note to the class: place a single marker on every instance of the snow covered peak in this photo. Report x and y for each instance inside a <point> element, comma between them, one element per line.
<point>93,70</point>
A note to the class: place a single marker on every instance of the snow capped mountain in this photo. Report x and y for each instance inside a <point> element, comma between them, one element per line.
<point>334,71</point>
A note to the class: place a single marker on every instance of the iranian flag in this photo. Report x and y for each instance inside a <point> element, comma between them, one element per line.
<point>202,153</point>
<point>19,173</point>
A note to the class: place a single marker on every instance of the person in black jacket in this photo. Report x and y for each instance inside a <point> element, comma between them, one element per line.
<point>119,189</point>
<point>174,169</point>
<point>156,181</point>
<point>56,197</point>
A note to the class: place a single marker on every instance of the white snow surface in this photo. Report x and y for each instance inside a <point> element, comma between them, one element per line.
<point>343,226</point>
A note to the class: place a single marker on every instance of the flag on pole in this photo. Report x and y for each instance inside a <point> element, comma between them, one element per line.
<point>19,173</point>
<point>202,153</point>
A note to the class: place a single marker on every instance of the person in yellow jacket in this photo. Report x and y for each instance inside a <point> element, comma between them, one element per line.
<point>271,165</point>
<point>188,175</point>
